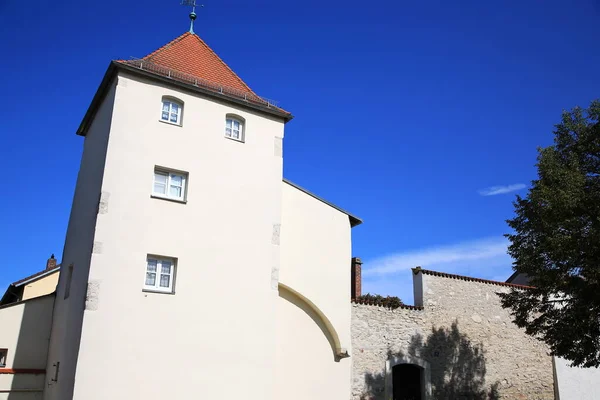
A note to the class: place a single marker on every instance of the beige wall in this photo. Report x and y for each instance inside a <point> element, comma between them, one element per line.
<point>25,331</point>
<point>214,337</point>
<point>463,336</point>
<point>315,261</point>
<point>42,286</point>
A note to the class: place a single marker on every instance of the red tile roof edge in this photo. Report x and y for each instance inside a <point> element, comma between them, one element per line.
<point>203,43</point>
<point>48,271</point>
<point>112,71</point>
<point>468,278</point>
<point>258,100</point>
<point>371,303</point>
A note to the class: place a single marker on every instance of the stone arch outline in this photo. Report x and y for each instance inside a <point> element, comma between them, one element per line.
<point>318,317</point>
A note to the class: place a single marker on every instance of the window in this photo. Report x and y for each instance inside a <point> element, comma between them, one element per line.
<point>3,354</point>
<point>69,279</point>
<point>234,128</point>
<point>160,273</point>
<point>171,111</point>
<point>170,185</point>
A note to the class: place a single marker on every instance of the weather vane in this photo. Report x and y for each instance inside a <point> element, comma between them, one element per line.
<point>191,3</point>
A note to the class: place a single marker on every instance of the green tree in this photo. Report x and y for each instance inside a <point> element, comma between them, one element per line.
<point>556,242</point>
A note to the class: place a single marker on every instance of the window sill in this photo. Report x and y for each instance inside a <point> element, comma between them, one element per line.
<point>156,291</point>
<point>153,196</point>
<point>169,123</point>
<point>234,139</point>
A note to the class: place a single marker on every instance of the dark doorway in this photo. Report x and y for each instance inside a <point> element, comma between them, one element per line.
<point>407,381</point>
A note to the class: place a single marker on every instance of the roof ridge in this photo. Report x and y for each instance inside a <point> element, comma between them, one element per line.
<point>223,62</point>
<point>416,270</point>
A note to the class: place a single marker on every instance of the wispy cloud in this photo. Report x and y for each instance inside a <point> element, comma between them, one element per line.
<point>484,258</point>
<point>494,190</point>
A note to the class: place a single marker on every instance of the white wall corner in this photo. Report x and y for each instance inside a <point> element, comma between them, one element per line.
<point>97,248</point>
<point>275,277</point>
<point>103,205</point>
<point>275,239</point>
<point>92,295</point>
<point>278,147</point>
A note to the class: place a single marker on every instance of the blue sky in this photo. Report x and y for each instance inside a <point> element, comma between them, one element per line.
<point>422,118</point>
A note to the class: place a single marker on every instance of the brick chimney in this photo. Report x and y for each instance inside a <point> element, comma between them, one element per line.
<point>355,278</point>
<point>51,263</point>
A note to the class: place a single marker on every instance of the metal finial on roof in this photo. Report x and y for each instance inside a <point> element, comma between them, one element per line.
<point>191,3</point>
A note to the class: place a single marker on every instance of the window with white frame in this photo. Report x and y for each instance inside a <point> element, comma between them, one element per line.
<point>160,274</point>
<point>169,184</point>
<point>234,128</point>
<point>171,111</point>
<point>3,354</point>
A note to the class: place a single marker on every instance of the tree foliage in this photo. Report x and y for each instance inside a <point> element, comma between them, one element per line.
<point>556,242</point>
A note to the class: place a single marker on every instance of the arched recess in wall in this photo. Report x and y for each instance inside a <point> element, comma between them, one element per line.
<point>317,316</point>
<point>408,360</point>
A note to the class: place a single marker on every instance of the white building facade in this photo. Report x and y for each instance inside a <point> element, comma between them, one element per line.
<point>194,268</point>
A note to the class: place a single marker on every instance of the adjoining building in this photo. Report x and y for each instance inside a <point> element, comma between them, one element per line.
<point>25,319</point>
<point>39,284</point>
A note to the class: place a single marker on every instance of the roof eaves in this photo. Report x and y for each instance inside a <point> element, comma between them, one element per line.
<point>354,220</point>
<point>512,277</point>
<point>35,276</point>
<point>114,66</point>
<point>97,99</point>
<point>467,278</point>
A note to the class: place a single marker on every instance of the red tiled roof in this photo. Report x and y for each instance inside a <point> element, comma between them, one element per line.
<point>467,278</point>
<point>189,54</point>
<point>46,271</point>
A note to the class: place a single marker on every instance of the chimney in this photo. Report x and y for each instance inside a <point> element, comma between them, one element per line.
<point>51,263</point>
<point>355,278</point>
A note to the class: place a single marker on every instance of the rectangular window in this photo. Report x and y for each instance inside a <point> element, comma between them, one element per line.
<point>169,184</point>
<point>171,112</point>
<point>3,354</point>
<point>68,284</point>
<point>160,273</point>
<point>234,129</point>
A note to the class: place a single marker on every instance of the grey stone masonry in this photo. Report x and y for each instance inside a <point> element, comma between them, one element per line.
<point>462,340</point>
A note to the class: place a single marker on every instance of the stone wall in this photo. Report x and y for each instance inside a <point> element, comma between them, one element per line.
<point>461,337</point>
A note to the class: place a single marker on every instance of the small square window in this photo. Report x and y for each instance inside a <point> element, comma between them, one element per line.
<point>169,184</point>
<point>234,129</point>
<point>3,354</point>
<point>171,111</point>
<point>160,274</point>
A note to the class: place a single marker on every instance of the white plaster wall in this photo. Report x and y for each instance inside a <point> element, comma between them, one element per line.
<point>25,332</point>
<point>68,313</point>
<point>214,338</point>
<point>315,261</point>
<point>576,383</point>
